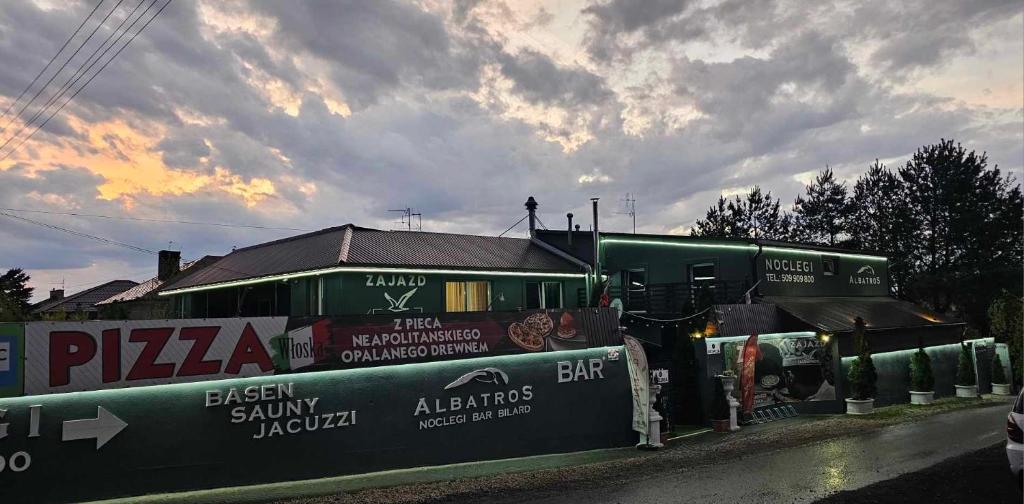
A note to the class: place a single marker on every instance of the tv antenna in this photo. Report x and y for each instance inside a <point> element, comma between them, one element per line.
<point>630,206</point>
<point>406,218</point>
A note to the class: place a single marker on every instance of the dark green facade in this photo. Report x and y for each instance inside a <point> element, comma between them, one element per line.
<point>363,292</point>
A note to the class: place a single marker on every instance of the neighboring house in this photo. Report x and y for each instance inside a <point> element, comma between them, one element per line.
<point>143,301</point>
<point>351,270</point>
<point>83,303</point>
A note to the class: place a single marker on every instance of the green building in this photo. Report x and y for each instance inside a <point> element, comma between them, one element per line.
<point>351,270</point>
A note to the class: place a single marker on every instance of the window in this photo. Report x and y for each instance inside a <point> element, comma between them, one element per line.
<point>635,281</point>
<point>702,273</point>
<point>543,295</point>
<point>830,265</point>
<point>467,296</point>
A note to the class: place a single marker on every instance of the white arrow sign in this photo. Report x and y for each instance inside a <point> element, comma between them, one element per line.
<point>104,427</point>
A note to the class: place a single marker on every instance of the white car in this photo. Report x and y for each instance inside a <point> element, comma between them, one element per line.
<point>1015,439</point>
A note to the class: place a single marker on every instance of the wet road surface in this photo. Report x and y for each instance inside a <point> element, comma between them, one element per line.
<point>810,472</point>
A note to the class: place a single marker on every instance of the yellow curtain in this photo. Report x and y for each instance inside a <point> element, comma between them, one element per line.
<point>477,296</point>
<point>455,296</point>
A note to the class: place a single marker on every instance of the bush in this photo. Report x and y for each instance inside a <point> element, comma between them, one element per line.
<point>862,372</point>
<point>921,378</point>
<point>998,372</point>
<point>965,369</point>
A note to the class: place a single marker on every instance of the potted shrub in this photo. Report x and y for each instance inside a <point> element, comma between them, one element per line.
<point>1000,385</point>
<point>862,377</point>
<point>922,382</point>
<point>966,381</point>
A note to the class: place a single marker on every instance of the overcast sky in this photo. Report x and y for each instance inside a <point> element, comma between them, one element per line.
<point>314,114</point>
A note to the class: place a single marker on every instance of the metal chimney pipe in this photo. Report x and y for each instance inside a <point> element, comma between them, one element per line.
<point>597,246</point>
<point>531,209</point>
<point>569,234</point>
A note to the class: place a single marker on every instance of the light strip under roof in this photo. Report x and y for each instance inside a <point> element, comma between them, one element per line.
<point>358,269</point>
<point>749,247</point>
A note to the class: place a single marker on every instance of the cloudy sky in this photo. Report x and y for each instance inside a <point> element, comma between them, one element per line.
<point>306,115</point>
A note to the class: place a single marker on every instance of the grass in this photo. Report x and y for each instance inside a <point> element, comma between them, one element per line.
<point>907,412</point>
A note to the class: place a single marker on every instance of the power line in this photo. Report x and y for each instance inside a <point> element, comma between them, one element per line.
<point>165,221</point>
<point>65,64</point>
<point>48,63</point>
<point>79,73</point>
<point>80,234</point>
<point>122,48</point>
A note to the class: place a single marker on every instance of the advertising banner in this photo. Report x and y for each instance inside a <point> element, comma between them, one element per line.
<point>640,385</point>
<point>380,340</point>
<point>188,436</point>
<point>783,370</point>
<point>12,351</point>
<point>92,355</point>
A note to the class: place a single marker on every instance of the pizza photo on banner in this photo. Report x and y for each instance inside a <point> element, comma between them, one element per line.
<point>380,340</point>
<point>780,370</point>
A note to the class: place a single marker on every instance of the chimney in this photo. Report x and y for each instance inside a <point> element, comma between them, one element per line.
<point>168,264</point>
<point>531,208</point>
<point>569,234</point>
<point>597,244</point>
<point>56,294</point>
<point>577,227</point>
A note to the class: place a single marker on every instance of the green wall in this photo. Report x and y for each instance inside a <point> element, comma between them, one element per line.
<point>310,425</point>
<point>667,263</point>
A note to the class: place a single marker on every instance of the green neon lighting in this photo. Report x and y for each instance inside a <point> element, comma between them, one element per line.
<point>895,354</point>
<point>636,241</point>
<point>822,252</point>
<point>342,269</point>
<point>748,247</point>
<point>800,334</point>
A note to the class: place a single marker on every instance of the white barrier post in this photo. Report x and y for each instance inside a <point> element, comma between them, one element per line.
<point>654,419</point>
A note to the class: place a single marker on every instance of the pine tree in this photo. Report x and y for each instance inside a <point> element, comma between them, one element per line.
<point>756,215</point>
<point>15,295</point>
<point>821,217</point>
<point>921,377</point>
<point>880,221</point>
<point>998,371</point>
<point>965,368</point>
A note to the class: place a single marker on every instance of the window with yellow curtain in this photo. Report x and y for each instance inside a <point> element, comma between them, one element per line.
<point>467,296</point>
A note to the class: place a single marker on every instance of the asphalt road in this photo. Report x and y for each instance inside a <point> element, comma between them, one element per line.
<point>979,476</point>
<point>810,472</point>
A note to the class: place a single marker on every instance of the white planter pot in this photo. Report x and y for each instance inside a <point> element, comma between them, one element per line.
<point>922,397</point>
<point>968,391</point>
<point>860,407</point>
<point>1001,389</point>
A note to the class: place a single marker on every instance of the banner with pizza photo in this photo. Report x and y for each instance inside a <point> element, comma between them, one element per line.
<point>381,340</point>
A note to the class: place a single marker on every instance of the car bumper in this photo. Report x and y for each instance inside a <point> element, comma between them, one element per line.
<point>1015,454</point>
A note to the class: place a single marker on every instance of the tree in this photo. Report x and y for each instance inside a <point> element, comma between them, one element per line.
<point>921,377</point>
<point>998,371</point>
<point>880,221</point>
<point>1006,325</point>
<point>965,367</point>
<point>862,375</point>
<point>756,215</point>
<point>15,295</point>
<point>821,217</point>
<point>967,230</point>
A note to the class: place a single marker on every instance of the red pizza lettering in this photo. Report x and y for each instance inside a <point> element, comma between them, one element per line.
<point>145,366</point>
<point>248,350</point>
<point>194,365</point>
<point>67,350</point>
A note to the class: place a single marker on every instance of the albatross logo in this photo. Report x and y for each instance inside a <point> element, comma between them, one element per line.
<point>865,275</point>
<point>485,375</point>
<point>398,305</point>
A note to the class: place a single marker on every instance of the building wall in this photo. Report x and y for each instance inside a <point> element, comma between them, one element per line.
<point>362,293</point>
<point>670,263</point>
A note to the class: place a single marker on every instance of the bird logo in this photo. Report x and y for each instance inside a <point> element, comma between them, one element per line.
<point>399,305</point>
<point>485,375</point>
<point>866,269</point>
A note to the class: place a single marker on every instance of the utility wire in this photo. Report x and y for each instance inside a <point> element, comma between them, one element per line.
<point>122,48</point>
<point>48,63</point>
<point>78,233</point>
<point>87,65</point>
<point>503,232</point>
<point>165,221</point>
<point>65,64</point>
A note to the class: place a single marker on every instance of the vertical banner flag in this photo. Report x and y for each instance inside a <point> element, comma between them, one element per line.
<point>750,356</point>
<point>640,384</point>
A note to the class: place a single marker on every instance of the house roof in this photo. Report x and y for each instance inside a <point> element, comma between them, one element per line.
<point>85,300</point>
<point>747,319</point>
<point>354,246</point>
<point>149,288</point>
<point>837,314</point>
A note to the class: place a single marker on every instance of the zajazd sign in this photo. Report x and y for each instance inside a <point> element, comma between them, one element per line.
<point>74,356</point>
<point>134,441</point>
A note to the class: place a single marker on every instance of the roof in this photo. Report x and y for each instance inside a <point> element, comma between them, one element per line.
<point>354,246</point>
<point>737,241</point>
<point>149,288</point>
<point>837,314</point>
<point>85,300</point>
<point>746,319</point>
